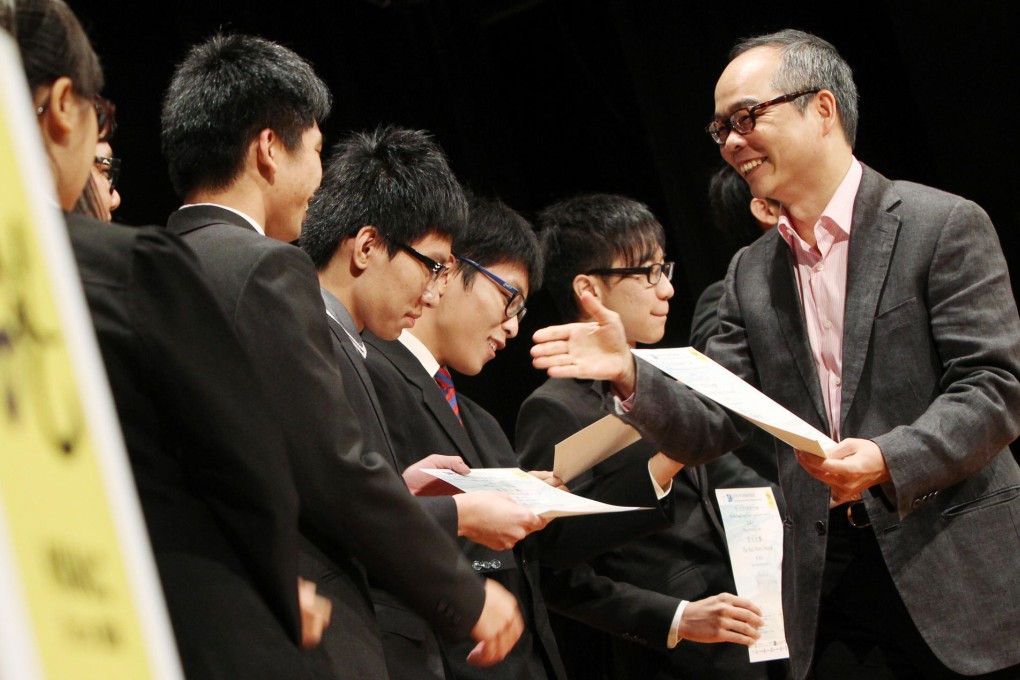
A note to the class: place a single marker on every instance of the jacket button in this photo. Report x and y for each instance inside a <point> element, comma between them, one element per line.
<point>476,565</point>
<point>916,504</point>
<point>495,564</point>
<point>820,527</point>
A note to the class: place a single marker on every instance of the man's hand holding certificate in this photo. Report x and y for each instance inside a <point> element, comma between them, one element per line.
<point>527,490</point>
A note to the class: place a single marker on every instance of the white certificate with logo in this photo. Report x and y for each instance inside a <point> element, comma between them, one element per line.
<point>754,535</point>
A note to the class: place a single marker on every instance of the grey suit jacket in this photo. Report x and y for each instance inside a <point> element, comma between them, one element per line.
<point>931,373</point>
<point>352,504</point>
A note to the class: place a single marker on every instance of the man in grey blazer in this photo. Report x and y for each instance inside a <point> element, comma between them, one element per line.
<point>240,133</point>
<point>881,313</point>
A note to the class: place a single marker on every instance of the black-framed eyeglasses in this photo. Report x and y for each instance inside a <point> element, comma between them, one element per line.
<point>437,270</point>
<point>515,304</point>
<point>110,169</point>
<point>653,272</point>
<point>742,120</point>
<point>106,116</point>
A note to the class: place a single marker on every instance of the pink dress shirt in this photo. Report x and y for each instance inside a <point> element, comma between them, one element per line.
<point>821,279</point>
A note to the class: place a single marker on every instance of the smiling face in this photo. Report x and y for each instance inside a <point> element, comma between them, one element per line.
<point>643,308</point>
<point>469,325</point>
<point>298,174</point>
<point>783,146</point>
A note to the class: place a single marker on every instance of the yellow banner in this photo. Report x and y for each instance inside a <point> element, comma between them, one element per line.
<point>67,550</point>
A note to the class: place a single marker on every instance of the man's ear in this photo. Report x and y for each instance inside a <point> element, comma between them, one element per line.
<point>366,241</point>
<point>267,153</point>
<point>766,212</point>
<point>586,282</point>
<point>824,105</point>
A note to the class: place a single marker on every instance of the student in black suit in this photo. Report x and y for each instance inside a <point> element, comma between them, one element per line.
<point>379,231</point>
<point>479,312</point>
<point>670,590</point>
<point>240,133</point>
<point>207,456</point>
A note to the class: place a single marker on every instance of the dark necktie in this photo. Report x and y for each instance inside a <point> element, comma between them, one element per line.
<point>445,382</point>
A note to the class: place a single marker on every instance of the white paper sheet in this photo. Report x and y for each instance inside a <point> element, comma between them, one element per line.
<point>700,373</point>
<point>754,536</point>
<point>528,491</point>
<point>587,448</point>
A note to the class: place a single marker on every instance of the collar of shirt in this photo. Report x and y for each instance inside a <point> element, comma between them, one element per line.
<point>247,218</point>
<point>420,351</point>
<point>837,216</point>
<point>336,311</point>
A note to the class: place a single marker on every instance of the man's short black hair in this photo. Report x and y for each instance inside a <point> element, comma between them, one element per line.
<point>589,232</point>
<point>394,179</point>
<point>225,92</point>
<point>497,235</point>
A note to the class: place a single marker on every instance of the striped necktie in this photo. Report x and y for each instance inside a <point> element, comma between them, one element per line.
<point>445,382</point>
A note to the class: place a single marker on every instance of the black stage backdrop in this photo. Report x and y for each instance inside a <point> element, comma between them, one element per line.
<point>536,100</point>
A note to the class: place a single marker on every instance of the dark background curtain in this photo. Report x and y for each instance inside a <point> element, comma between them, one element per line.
<point>535,100</point>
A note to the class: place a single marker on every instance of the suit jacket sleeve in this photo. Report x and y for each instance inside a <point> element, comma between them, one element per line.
<point>352,502</point>
<point>232,449</point>
<point>972,320</point>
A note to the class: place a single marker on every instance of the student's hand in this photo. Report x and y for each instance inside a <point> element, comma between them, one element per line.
<point>596,350</point>
<point>721,618</point>
<point>498,628</point>
<point>550,478</point>
<point>315,613</point>
<point>494,520</point>
<point>423,484</point>
<point>851,466</point>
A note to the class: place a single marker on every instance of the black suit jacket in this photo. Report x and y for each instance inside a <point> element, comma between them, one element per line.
<point>352,504</point>
<point>421,421</point>
<point>207,455</point>
<point>412,651</point>
<point>633,591</point>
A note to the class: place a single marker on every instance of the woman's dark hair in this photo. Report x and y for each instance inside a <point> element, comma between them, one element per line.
<point>53,45</point>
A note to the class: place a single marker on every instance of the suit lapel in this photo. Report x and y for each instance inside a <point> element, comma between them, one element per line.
<point>432,400</point>
<point>358,363</point>
<point>872,237</point>
<point>787,308</point>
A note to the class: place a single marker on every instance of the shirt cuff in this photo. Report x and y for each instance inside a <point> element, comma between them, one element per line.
<point>623,406</point>
<point>674,629</point>
<point>660,493</point>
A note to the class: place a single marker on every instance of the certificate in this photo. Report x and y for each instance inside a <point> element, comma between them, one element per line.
<point>754,536</point>
<point>528,491</point>
<point>587,448</point>
<point>700,373</point>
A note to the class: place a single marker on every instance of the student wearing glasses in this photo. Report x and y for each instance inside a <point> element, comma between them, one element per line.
<point>379,231</point>
<point>880,312</point>
<point>661,597</point>
<point>498,262</point>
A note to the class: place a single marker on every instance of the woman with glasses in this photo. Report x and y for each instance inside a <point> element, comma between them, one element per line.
<point>100,197</point>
